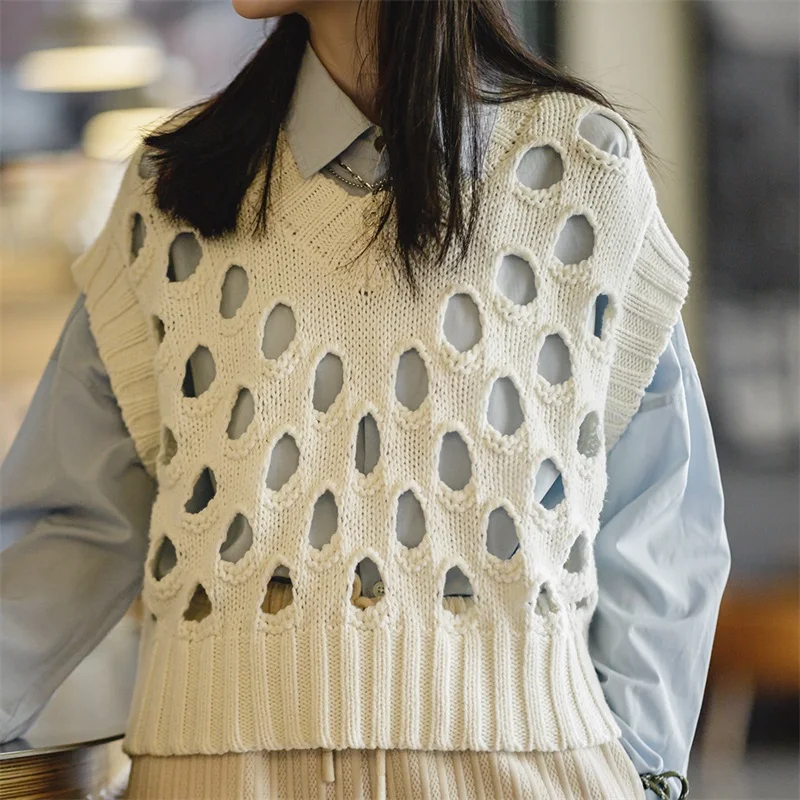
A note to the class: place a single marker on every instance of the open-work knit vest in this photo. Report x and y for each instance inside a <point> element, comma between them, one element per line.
<point>512,670</point>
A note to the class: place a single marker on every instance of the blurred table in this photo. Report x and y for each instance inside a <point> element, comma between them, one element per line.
<point>74,747</point>
<point>83,767</point>
<point>756,649</point>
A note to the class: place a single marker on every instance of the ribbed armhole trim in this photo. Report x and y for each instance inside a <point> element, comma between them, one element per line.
<point>124,339</point>
<point>650,307</point>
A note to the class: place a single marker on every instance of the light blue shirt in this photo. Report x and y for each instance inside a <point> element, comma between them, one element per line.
<point>76,499</point>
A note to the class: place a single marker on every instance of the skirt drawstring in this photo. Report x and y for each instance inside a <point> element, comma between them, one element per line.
<point>380,774</point>
<point>328,775</point>
<point>327,770</point>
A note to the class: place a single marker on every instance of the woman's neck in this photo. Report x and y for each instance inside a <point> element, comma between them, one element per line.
<point>341,38</point>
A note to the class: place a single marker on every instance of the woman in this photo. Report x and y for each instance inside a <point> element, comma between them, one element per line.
<point>387,481</point>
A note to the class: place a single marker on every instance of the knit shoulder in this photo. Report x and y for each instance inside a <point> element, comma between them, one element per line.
<point>125,336</point>
<point>637,269</point>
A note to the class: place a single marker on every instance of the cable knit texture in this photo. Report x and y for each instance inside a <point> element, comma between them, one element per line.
<point>219,670</point>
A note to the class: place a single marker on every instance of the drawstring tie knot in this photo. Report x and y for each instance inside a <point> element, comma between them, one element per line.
<point>658,784</point>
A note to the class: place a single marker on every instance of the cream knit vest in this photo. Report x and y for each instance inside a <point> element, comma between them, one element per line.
<point>512,671</point>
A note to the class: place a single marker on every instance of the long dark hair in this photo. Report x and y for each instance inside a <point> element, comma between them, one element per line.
<point>431,57</point>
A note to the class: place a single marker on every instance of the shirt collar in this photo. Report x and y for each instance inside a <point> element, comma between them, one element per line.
<point>323,122</point>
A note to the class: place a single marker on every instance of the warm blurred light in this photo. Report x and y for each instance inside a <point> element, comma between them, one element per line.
<point>91,46</point>
<point>90,68</point>
<point>114,135</point>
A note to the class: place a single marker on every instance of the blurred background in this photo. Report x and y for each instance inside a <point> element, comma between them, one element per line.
<point>715,86</point>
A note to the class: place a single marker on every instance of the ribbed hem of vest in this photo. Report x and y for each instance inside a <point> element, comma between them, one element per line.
<point>124,339</point>
<point>651,304</point>
<point>383,687</point>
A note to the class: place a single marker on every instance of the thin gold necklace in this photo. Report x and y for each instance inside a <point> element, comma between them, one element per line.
<point>363,184</point>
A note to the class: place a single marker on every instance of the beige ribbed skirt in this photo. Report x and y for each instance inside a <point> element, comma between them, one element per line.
<point>603,772</point>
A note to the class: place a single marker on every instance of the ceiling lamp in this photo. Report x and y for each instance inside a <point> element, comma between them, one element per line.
<point>93,46</point>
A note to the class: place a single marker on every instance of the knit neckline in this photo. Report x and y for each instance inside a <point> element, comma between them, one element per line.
<point>339,214</point>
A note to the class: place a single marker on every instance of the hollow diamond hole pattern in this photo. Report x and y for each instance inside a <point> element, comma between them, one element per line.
<point>502,540</point>
<point>504,411</point>
<point>578,555</point>
<point>238,540</point>
<point>328,382</point>
<point>199,606</point>
<point>324,520</point>
<point>367,456</point>
<point>184,256</point>
<point>589,439</point>
<point>575,241</point>
<point>411,381</point>
<point>410,525</point>
<point>368,587</point>
<point>138,235</point>
<point>515,280</point>
<point>279,330</point>
<point>201,370</point>
<point>280,591</point>
<point>203,493</point>
<point>455,464</point>
<point>457,596</point>
<point>462,325</point>
<point>540,167</point>
<point>165,559</point>
<point>554,364</point>
<point>234,291</point>
<point>242,413</point>
<point>283,462</point>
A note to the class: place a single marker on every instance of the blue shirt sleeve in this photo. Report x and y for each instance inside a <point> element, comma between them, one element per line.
<point>663,560</point>
<point>74,515</point>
